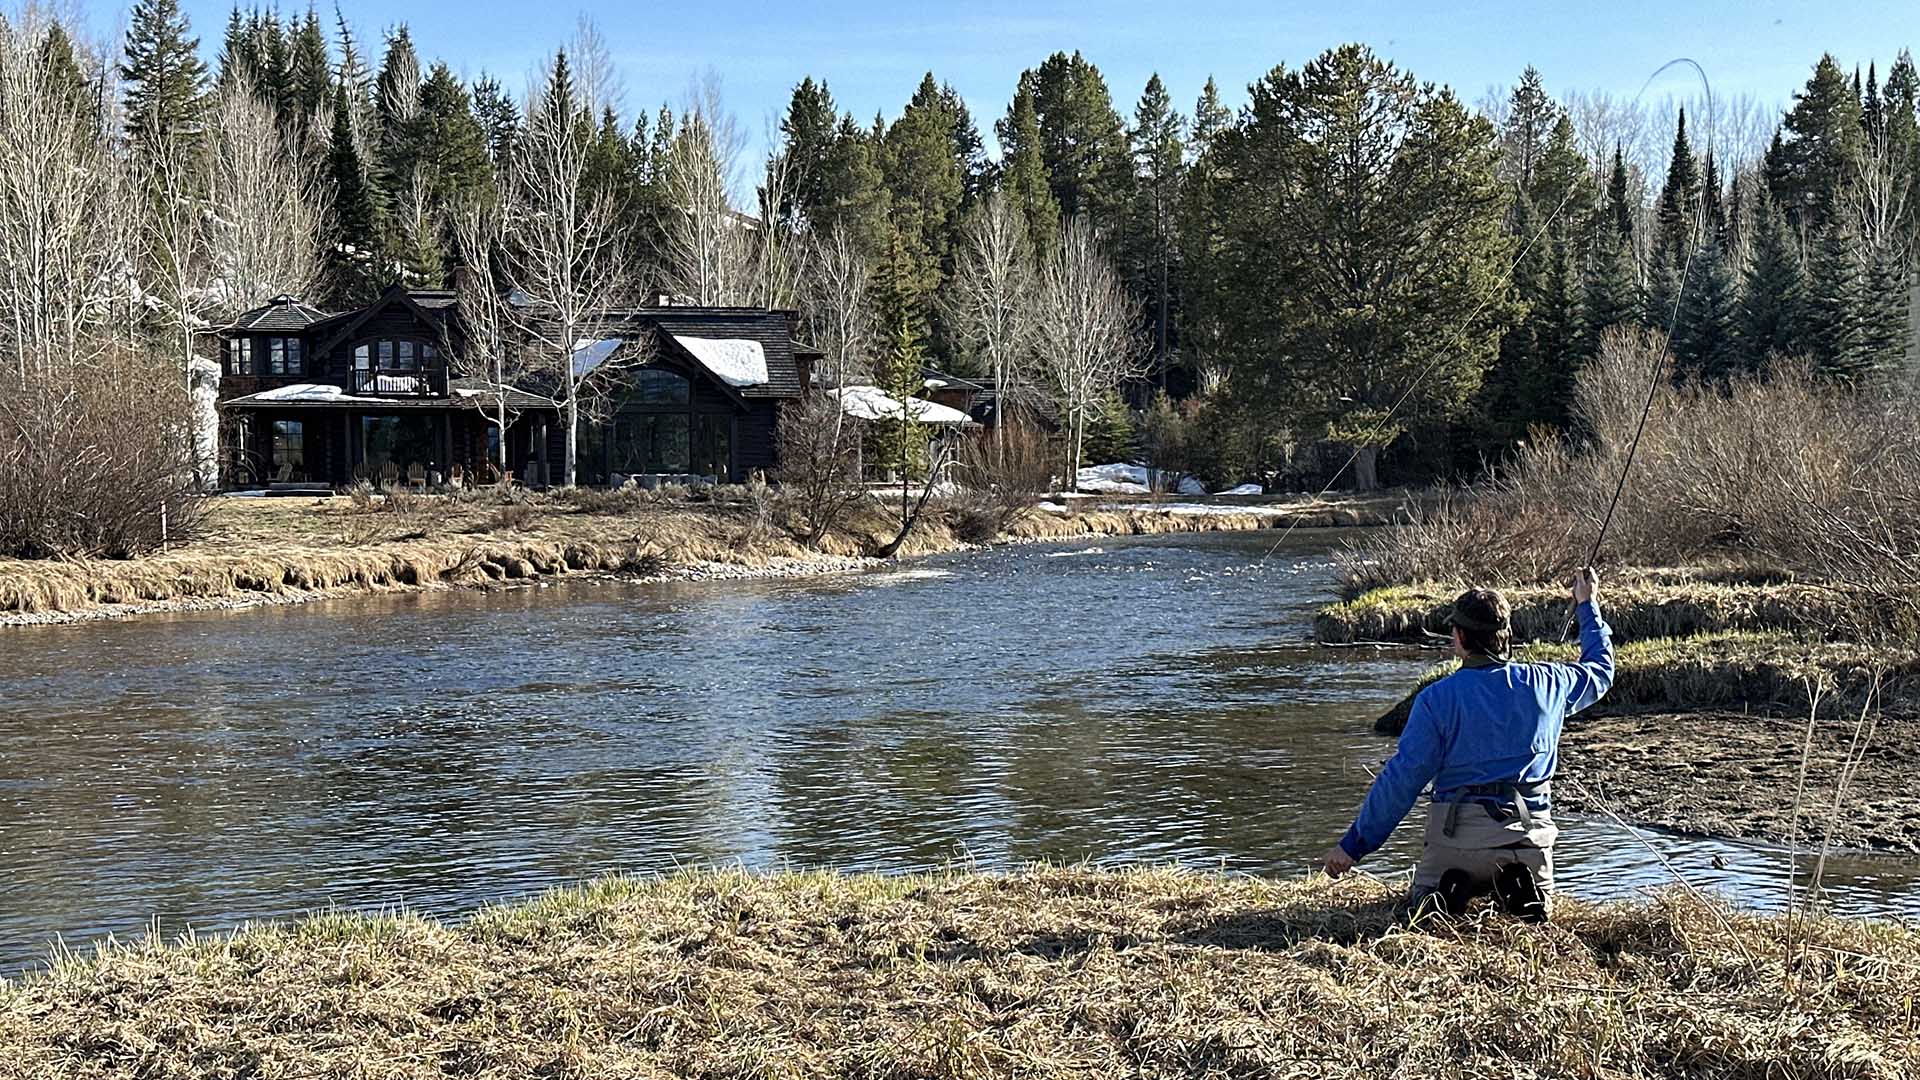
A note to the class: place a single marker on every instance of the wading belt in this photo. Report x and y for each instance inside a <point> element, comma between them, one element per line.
<point>1484,794</point>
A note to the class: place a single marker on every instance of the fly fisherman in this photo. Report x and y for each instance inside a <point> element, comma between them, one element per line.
<point>1488,738</point>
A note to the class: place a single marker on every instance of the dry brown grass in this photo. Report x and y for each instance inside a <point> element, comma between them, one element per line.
<point>1047,973</point>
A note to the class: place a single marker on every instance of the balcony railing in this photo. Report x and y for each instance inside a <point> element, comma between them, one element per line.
<point>401,384</point>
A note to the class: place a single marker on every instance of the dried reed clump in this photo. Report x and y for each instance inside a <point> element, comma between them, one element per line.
<point>1000,476</point>
<point>1045,973</point>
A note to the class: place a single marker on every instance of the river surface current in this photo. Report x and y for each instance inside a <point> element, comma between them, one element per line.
<point>1151,700</point>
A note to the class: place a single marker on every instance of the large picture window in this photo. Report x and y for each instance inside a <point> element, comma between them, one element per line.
<point>402,441</point>
<point>289,446</point>
<point>656,430</point>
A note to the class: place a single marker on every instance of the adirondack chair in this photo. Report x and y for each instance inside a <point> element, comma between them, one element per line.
<point>417,476</point>
<point>284,474</point>
<point>456,476</point>
<point>389,474</point>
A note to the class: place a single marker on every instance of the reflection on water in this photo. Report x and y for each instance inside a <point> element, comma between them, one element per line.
<point>1150,700</point>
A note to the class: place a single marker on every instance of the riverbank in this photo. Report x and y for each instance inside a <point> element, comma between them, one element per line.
<point>254,551</point>
<point>1046,973</point>
<point>1706,727</point>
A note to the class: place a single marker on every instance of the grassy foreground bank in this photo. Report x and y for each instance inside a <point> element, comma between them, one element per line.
<point>280,550</point>
<point>1047,973</point>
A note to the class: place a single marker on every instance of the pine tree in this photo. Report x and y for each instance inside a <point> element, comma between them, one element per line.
<point>1815,165</point>
<point>237,61</point>
<point>1619,200</point>
<point>1704,343</point>
<point>1159,156</point>
<point>900,307</point>
<point>453,160</point>
<point>928,186</point>
<point>807,137</point>
<point>499,121</point>
<point>1082,139</point>
<point>1023,171</point>
<point>1884,310</point>
<point>64,79</point>
<point>166,82</point>
<point>1835,307</point>
<point>1609,292</point>
<point>968,148</point>
<point>354,270</point>
<point>1531,114</point>
<point>1774,290</point>
<point>1675,218</point>
<point>854,196</point>
<point>309,75</point>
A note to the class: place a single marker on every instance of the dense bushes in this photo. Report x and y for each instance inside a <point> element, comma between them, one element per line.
<point>1783,471</point>
<point>93,456</point>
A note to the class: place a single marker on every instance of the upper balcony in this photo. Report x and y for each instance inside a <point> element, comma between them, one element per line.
<point>398,368</point>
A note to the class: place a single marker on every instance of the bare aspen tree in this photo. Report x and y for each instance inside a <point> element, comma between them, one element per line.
<point>176,273</point>
<point>567,264</point>
<point>485,349</point>
<point>265,206</point>
<point>773,258</point>
<point>992,299</point>
<point>839,308</point>
<point>65,263</point>
<point>819,444</point>
<point>709,249</point>
<point>1087,336</point>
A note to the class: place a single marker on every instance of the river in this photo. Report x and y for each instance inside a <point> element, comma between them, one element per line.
<point>1143,700</point>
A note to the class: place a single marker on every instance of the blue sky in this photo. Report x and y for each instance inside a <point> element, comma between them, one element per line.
<point>872,53</point>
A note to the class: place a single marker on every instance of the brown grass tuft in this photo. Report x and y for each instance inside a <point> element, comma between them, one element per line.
<point>1046,973</point>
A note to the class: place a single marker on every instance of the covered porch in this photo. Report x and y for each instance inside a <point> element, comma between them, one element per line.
<point>327,437</point>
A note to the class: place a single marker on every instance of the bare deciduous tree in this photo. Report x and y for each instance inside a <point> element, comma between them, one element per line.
<point>265,205</point>
<point>1087,339</point>
<point>709,244</point>
<point>485,349</point>
<point>566,267</point>
<point>992,302</point>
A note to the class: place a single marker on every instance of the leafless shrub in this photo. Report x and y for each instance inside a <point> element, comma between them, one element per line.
<point>1000,478</point>
<point>93,459</point>
<point>819,465</point>
<point>513,517</point>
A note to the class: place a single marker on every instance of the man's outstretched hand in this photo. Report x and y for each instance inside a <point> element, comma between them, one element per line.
<point>1337,861</point>
<point>1585,583</point>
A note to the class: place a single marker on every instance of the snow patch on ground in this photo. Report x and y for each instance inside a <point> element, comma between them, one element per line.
<point>1123,479</point>
<point>1196,509</point>
<point>735,361</point>
<point>1243,491</point>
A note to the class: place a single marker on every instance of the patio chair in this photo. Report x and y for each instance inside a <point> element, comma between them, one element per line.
<point>284,473</point>
<point>389,474</point>
<point>456,476</point>
<point>417,475</point>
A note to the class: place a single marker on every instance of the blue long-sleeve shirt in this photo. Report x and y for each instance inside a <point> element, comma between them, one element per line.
<point>1487,724</point>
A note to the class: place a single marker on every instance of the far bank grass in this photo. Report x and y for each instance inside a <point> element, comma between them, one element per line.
<point>267,548</point>
<point>1638,604</point>
<point>1728,670</point>
<point>1051,973</point>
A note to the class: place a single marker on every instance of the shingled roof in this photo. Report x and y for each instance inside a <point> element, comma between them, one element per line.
<point>282,313</point>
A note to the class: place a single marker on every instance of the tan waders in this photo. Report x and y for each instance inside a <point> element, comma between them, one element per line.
<point>1474,848</point>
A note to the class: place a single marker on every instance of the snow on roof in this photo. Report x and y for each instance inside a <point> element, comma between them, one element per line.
<point>308,393</point>
<point>590,353</point>
<point>873,403</point>
<point>734,361</point>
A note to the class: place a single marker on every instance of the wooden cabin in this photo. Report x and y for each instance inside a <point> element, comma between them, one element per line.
<point>379,394</point>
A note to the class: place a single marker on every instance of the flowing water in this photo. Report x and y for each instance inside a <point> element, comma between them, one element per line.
<point>1145,700</point>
